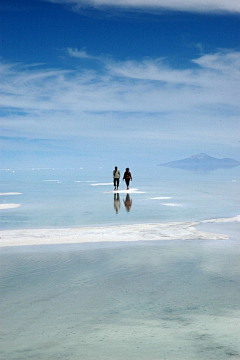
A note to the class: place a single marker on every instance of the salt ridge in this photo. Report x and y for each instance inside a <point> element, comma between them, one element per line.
<point>9,206</point>
<point>10,193</point>
<point>123,233</point>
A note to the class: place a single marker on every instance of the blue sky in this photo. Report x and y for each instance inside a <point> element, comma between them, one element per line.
<point>95,83</point>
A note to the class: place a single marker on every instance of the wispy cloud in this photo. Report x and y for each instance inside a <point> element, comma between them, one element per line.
<point>147,99</point>
<point>200,6</point>
<point>82,54</point>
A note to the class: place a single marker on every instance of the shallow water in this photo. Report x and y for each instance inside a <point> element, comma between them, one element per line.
<point>70,200</point>
<point>139,301</point>
<point>161,300</point>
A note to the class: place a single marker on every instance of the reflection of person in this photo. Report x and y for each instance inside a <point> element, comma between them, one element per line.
<point>127,177</point>
<point>117,203</point>
<point>116,177</point>
<point>128,202</point>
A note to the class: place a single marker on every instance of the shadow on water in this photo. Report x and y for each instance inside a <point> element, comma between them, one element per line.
<point>117,202</point>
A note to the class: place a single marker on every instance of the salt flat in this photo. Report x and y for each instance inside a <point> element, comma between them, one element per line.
<point>125,191</point>
<point>124,233</point>
<point>10,193</point>
<point>9,206</point>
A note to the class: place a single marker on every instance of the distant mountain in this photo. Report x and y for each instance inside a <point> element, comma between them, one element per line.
<point>202,162</point>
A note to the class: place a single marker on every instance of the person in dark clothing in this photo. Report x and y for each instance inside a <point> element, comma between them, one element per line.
<point>127,177</point>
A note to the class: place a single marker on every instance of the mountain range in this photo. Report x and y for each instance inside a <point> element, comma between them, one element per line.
<point>202,162</point>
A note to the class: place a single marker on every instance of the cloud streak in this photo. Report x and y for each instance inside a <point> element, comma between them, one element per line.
<point>82,54</point>
<point>198,6</point>
<point>148,99</point>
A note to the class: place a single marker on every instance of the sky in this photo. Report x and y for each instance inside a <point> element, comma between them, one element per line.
<point>106,82</point>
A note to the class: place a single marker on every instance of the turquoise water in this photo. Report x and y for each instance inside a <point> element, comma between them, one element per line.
<point>70,200</point>
<point>159,300</point>
<point>141,301</point>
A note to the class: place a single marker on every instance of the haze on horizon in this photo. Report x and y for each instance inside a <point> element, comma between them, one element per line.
<point>88,82</point>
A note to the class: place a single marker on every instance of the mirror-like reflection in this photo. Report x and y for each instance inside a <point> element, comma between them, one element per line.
<point>117,202</point>
<point>127,202</point>
<point>108,302</point>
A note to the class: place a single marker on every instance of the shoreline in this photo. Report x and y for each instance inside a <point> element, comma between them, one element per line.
<point>121,233</point>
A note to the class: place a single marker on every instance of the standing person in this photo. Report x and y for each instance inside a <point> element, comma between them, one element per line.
<point>116,177</point>
<point>127,177</point>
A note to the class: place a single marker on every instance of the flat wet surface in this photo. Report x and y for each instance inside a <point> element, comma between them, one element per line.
<point>157,300</point>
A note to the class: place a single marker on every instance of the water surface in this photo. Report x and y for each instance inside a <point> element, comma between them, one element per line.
<point>139,301</point>
<point>175,300</point>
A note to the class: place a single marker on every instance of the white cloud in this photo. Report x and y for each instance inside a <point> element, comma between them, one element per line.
<point>223,61</point>
<point>82,54</point>
<point>201,6</point>
<point>146,100</point>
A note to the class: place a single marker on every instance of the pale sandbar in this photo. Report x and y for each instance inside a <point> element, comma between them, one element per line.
<point>10,193</point>
<point>223,220</point>
<point>171,204</point>
<point>162,198</point>
<point>125,191</point>
<point>9,206</point>
<point>126,233</point>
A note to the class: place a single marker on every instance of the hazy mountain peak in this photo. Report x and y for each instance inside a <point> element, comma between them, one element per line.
<point>200,156</point>
<point>202,161</point>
